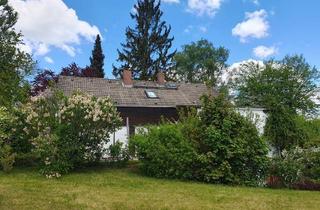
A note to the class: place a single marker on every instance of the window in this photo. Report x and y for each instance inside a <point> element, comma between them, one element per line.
<point>151,94</point>
<point>171,86</point>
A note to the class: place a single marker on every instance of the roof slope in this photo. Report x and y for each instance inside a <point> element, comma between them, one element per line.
<point>185,94</point>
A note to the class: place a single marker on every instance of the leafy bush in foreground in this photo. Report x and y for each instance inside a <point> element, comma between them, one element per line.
<point>7,157</point>
<point>69,131</point>
<point>217,145</point>
<point>119,154</point>
<point>296,168</point>
<point>165,152</point>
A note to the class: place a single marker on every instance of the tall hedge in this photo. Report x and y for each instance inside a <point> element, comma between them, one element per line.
<point>215,145</point>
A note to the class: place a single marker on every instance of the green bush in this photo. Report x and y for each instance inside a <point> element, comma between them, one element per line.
<point>69,132</point>
<point>26,159</point>
<point>7,157</point>
<point>282,130</point>
<point>311,127</point>
<point>230,151</point>
<point>296,165</point>
<point>216,145</point>
<point>164,151</point>
<point>118,153</point>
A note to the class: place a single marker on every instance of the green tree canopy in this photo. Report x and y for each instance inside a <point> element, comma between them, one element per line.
<point>199,62</point>
<point>14,63</point>
<point>147,48</point>
<point>285,88</point>
<point>290,83</point>
<point>97,59</point>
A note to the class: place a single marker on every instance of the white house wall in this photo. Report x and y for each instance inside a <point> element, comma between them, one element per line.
<point>256,115</point>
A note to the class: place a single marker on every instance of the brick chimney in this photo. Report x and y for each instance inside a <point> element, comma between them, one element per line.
<point>161,78</point>
<point>127,78</point>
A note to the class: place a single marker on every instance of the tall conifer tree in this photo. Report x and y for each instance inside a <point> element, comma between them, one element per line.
<point>97,58</point>
<point>147,48</point>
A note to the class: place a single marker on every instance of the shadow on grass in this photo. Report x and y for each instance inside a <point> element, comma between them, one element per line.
<point>131,167</point>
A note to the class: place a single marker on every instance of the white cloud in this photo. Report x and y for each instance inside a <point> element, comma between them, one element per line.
<point>50,23</point>
<point>188,29</point>
<point>232,72</point>
<point>133,10</point>
<point>263,51</point>
<point>204,7</point>
<point>256,2</point>
<point>203,29</point>
<point>255,25</point>
<point>171,1</point>
<point>48,59</point>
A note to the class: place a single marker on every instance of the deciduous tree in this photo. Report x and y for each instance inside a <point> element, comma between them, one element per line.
<point>14,63</point>
<point>199,62</point>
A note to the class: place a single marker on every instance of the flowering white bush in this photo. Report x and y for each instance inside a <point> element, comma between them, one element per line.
<point>69,131</point>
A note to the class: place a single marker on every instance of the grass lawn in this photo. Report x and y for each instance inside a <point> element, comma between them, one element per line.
<point>101,188</point>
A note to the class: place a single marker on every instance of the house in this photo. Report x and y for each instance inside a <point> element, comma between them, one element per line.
<point>138,102</point>
<point>147,102</point>
<point>257,115</point>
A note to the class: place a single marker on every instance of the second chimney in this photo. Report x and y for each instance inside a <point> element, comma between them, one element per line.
<point>161,78</point>
<point>127,78</point>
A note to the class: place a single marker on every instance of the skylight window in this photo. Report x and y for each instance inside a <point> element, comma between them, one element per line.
<point>171,86</point>
<point>151,94</point>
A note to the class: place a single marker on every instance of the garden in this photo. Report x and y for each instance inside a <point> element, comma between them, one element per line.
<point>58,134</point>
<point>52,145</point>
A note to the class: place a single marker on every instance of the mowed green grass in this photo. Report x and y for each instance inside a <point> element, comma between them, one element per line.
<point>103,188</point>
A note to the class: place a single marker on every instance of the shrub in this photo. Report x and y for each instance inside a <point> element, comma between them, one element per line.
<point>282,130</point>
<point>7,158</point>
<point>297,167</point>
<point>12,123</point>
<point>230,149</point>
<point>217,145</point>
<point>312,129</point>
<point>118,153</point>
<point>26,159</point>
<point>164,151</point>
<point>69,131</point>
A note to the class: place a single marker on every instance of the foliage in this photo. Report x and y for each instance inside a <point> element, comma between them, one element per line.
<point>42,80</point>
<point>146,51</point>
<point>199,62</point>
<point>216,145</point>
<point>76,71</point>
<point>11,131</point>
<point>7,157</point>
<point>14,63</point>
<point>289,83</point>
<point>296,166</point>
<point>119,154</point>
<point>311,127</point>
<point>69,131</point>
<point>231,150</point>
<point>285,88</point>
<point>165,152</point>
<point>97,59</point>
<point>282,130</point>
<point>29,159</point>
<point>72,70</point>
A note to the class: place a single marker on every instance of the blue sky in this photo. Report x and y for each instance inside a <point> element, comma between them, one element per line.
<point>61,32</point>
